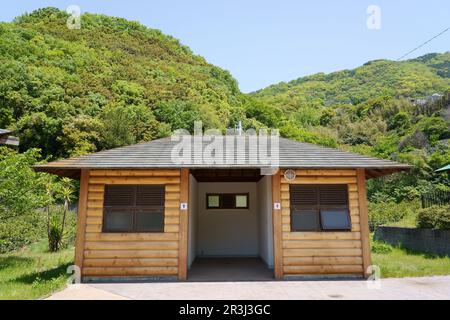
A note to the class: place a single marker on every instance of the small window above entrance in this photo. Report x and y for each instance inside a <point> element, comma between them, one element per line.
<point>227,201</point>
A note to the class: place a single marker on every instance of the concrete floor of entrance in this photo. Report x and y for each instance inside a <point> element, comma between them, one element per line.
<point>229,269</point>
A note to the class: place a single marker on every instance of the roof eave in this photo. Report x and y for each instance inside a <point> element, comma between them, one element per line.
<point>74,172</point>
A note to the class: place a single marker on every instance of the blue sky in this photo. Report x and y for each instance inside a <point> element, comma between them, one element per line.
<point>264,42</point>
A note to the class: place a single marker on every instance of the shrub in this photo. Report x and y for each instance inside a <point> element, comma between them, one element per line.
<point>21,230</point>
<point>55,234</point>
<point>384,212</point>
<point>21,189</point>
<point>434,217</point>
<point>380,247</point>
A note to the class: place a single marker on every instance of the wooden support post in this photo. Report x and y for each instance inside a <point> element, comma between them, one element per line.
<point>276,220</point>
<point>364,220</point>
<point>81,219</point>
<point>184,225</point>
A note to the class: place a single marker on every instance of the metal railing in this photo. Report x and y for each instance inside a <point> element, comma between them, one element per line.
<point>435,198</point>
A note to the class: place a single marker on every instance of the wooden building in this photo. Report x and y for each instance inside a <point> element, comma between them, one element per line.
<point>6,138</point>
<point>142,216</point>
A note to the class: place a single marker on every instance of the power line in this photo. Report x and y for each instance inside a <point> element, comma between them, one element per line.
<point>406,54</point>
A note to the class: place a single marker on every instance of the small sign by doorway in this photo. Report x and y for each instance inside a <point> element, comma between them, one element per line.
<point>183,206</point>
<point>277,205</point>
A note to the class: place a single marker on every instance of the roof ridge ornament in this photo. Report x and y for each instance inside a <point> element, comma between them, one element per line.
<point>239,128</point>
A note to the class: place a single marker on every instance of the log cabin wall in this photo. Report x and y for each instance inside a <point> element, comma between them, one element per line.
<point>154,254</point>
<point>324,252</point>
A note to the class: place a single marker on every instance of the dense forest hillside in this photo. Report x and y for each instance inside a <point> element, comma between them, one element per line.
<point>116,82</point>
<point>388,109</point>
<point>390,79</point>
<point>110,83</point>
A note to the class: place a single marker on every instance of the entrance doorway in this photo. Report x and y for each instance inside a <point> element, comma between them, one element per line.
<point>230,226</point>
<point>230,269</point>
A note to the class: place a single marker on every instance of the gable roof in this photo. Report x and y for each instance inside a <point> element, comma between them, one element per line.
<point>157,154</point>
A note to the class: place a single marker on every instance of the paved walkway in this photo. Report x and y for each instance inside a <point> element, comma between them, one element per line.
<point>404,288</point>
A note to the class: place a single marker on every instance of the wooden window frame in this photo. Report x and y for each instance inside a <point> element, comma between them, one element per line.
<point>134,210</point>
<point>221,207</point>
<point>319,208</point>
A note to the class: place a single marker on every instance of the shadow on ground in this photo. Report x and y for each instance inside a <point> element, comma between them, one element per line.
<point>45,275</point>
<point>13,261</point>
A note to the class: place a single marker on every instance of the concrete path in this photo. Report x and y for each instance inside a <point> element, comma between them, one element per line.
<point>84,292</point>
<point>390,289</point>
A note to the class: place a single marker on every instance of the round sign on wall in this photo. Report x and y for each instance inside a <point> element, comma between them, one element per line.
<point>289,175</point>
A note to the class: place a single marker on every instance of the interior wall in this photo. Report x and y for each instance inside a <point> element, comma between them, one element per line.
<point>193,217</point>
<point>264,190</point>
<point>232,232</point>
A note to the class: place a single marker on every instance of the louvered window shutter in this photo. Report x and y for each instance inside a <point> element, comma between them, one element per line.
<point>150,208</point>
<point>319,207</point>
<point>304,208</point>
<point>134,208</point>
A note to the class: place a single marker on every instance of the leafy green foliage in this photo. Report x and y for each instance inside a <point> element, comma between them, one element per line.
<point>55,235</point>
<point>393,110</point>
<point>111,83</point>
<point>434,217</point>
<point>21,230</point>
<point>21,189</point>
<point>387,211</point>
<point>23,195</point>
<point>380,247</point>
<point>56,219</point>
<point>116,82</point>
<point>375,79</point>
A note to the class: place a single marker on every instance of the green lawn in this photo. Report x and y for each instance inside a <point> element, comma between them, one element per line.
<point>33,272</point>
<point>397,262</point>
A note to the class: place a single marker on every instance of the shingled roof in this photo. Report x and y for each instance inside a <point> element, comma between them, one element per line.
<point>157,154</point>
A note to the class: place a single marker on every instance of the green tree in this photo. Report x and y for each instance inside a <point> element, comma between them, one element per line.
<point>56,216</point>
<point>21,188</point>
<point>400,121</point>
<point>435,128</point>
<point>118,128</point>
<point>178,114</point>
<point>327,116</point>
<point>40,131</point>
<point>263,113</point>
<point>81,135</point>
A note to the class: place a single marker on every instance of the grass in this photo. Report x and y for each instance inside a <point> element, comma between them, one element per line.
<point>33,272</point>
<point>408,221</point>
<point>396,262</point>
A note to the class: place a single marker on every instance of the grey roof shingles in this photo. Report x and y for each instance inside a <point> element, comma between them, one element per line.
<point>157,154</point>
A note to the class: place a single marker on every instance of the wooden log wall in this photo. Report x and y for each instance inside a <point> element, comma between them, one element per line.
<point>320,253</point>
<point>129,254</point>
